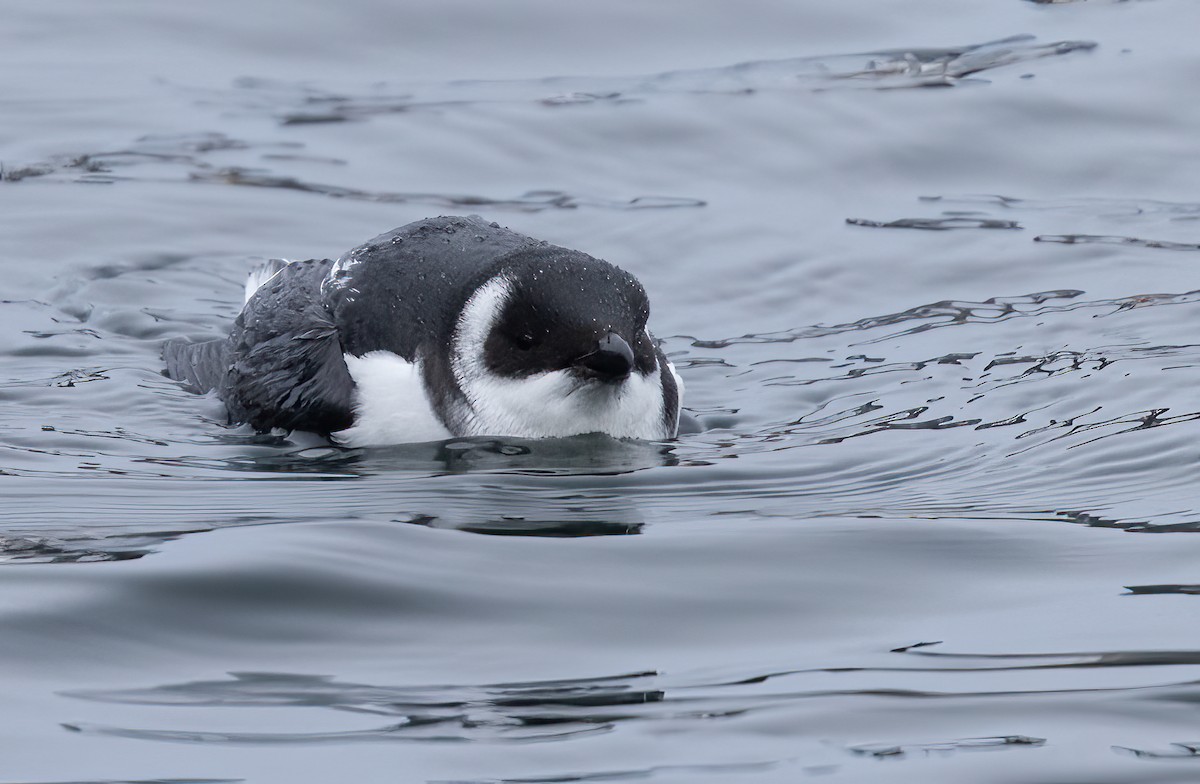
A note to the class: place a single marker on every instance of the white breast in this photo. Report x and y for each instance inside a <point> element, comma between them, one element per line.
<point>390,404</point>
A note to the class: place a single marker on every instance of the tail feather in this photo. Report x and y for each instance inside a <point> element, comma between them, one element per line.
<point>201,366</point>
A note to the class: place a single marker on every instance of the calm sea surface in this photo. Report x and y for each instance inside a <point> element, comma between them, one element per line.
<point>929,270</point>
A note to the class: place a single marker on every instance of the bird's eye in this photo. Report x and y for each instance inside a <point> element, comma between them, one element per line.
<point>524,341</point>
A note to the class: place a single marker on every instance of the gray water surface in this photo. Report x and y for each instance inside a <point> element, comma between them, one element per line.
<point>928,270</point>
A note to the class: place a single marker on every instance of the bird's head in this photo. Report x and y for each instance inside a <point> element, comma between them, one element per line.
<point>554,342</point>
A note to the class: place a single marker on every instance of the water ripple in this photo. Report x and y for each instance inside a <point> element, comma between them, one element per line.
<point>185,158</point>
<point>638,774</point>
<point>917,67</point>
<point>558,710</point>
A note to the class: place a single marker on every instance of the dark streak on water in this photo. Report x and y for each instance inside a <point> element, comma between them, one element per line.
<point>951,221</point>
<point>1073,239</point>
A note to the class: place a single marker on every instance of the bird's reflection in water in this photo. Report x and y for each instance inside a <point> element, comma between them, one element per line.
<point>515,487</point>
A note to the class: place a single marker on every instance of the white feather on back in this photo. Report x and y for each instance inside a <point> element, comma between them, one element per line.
<point>545,405</point>
<point>259,276</point>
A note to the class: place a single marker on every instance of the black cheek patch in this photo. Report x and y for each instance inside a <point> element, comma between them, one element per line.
<point>502,356</point>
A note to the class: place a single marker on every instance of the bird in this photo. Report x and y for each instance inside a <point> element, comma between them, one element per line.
<point>446,327</point>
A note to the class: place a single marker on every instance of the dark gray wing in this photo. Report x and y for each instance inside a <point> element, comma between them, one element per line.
<point>284,359</point>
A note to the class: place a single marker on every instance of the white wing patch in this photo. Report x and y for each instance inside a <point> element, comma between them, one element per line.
<point>390,404</point>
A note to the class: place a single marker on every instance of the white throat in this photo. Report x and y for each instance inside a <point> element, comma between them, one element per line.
<point>549,404</point>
